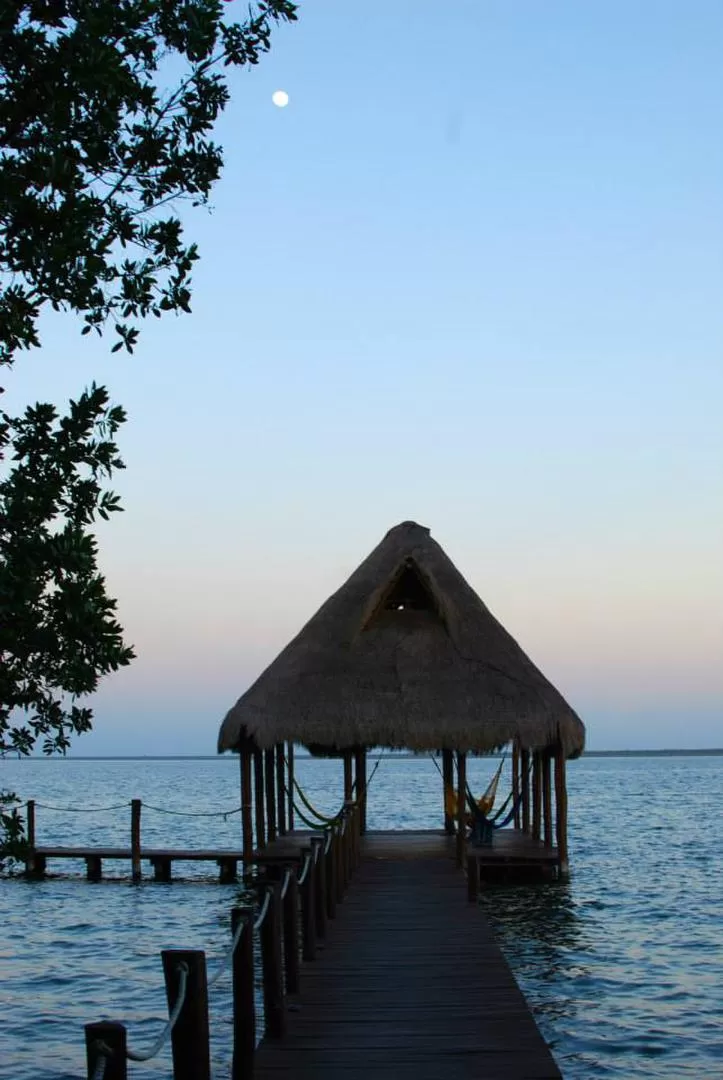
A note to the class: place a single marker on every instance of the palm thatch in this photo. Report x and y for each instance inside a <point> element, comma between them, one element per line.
<point>404,654</point>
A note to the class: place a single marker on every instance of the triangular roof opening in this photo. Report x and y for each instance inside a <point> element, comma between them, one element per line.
<point>406,591</point>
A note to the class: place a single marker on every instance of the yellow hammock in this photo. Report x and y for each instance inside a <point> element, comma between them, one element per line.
<point>485,802</point>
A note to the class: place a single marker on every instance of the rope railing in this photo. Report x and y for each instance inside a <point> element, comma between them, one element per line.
<point>289,920</point>
<point>258,923</point>
<point>305,870</point>
<point>285,886</point>
<point>104,1052</point>
<point>124,805</point>
<point>193,813</point>
<point>79,809</point>
<point>228,956</point>
<point>160,1042</point>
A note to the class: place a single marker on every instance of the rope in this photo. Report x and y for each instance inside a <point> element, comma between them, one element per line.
<point>363,796</point>
<point>146,806</point>
<point>81,809</point>
<point>104,1052</point>
<point>146,1055</point>
<point>191,813</point>
<point>315,826</point>
<point>228,956</point>
<point>309,806</point>
<point>305,870</point>
<point>285,886</point>
<point>327,845</point>
<point>262,914</point>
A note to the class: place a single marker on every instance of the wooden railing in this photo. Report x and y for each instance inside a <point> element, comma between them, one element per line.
<point>295,901</point>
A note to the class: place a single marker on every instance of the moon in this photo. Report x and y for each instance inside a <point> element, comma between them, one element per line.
<point>280,99</point>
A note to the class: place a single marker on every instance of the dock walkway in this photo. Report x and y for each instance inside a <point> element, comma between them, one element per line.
<point>410,983</point>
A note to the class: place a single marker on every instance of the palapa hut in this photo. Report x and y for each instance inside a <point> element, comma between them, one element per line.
<point>406,655</point>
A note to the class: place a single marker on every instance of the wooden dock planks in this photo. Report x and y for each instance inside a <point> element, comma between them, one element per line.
<point>410,984</point>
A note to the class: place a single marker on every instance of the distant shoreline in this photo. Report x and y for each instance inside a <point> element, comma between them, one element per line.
<point>715,752</point>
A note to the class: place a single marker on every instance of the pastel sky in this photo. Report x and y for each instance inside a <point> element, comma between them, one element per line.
<point>472,275</point>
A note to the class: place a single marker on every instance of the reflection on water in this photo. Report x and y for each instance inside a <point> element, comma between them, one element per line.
<point>622,966</point>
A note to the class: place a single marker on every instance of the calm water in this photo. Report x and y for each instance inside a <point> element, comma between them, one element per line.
<point>623,966</point>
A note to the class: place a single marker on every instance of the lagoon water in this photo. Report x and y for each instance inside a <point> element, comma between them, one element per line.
<point>623,966</point>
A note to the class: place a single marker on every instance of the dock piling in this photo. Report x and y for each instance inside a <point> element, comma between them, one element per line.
<point>136,871</point>
<point>190,1035</point>
<point>244,1008</point>
<point>106,1035</point>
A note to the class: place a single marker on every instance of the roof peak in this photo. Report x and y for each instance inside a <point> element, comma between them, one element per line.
<point>408,527</point>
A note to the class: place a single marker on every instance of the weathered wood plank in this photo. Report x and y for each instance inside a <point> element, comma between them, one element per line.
<point>410,984</point>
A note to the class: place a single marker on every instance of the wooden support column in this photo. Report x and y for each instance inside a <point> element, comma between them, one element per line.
<point>280,793</point>
<point>270,795</point>
<point>361,787</point>
<point>247,831</point>
<point>448,785</point>
<point>561,808</point>
<point>107,1034</point>
<point>461,807</point>
<point>525,786</point>
<point>516,782</point>
<point>136,872</point>
<point>259,799</point>
<point>190,1035</point>
<point>537,794</point>
<point>546,798</point>
<point>290,805</point>
<point>348,780</point>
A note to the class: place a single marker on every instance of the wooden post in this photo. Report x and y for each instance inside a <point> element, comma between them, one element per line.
<point>361,787</point>
<point>281,794</point>
<point>247,829</point>
<point>330,860</point>
<point>337,845</point>
<point>93,867</point>
<point>136,872</point>
<point>30,828</point>
<point>108,1034</point>
<point>546,798</point>
<point>290,759</point>
<point>270,796</point>
<point>472,878</point>
<point>291,931</point>
<point>461,807</point>
<point>244,1008</point>
<point>561,807</point>
<point>189,1038</point>
<point>525,785</point>
<point>274,1004</point>
<point>448,785</point>
<point>259,799</point>
<point>348,781</point>
<point>537,794</point>
<point>308,907</point>
<point>320,894</point>
<point>516,781</point>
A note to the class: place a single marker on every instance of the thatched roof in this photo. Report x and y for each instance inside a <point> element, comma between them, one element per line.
<point>404,654</point>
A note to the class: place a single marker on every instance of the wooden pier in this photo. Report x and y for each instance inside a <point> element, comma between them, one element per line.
<point>373,962</point>
<point>410,982</point>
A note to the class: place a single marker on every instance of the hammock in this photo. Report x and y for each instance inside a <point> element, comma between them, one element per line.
<point>485,802</point>
<point>483,826</point>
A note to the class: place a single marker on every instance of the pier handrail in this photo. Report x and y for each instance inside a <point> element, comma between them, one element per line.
<point>288,901</point>
<point>285,886</point>
<point>305,869</point>
<point>259,921</point>
<point>157,1046</point>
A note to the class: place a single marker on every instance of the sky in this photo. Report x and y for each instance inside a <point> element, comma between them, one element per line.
<point>470,276</point>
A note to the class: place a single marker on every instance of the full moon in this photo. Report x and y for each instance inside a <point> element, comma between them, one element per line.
<point>280,99</point>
